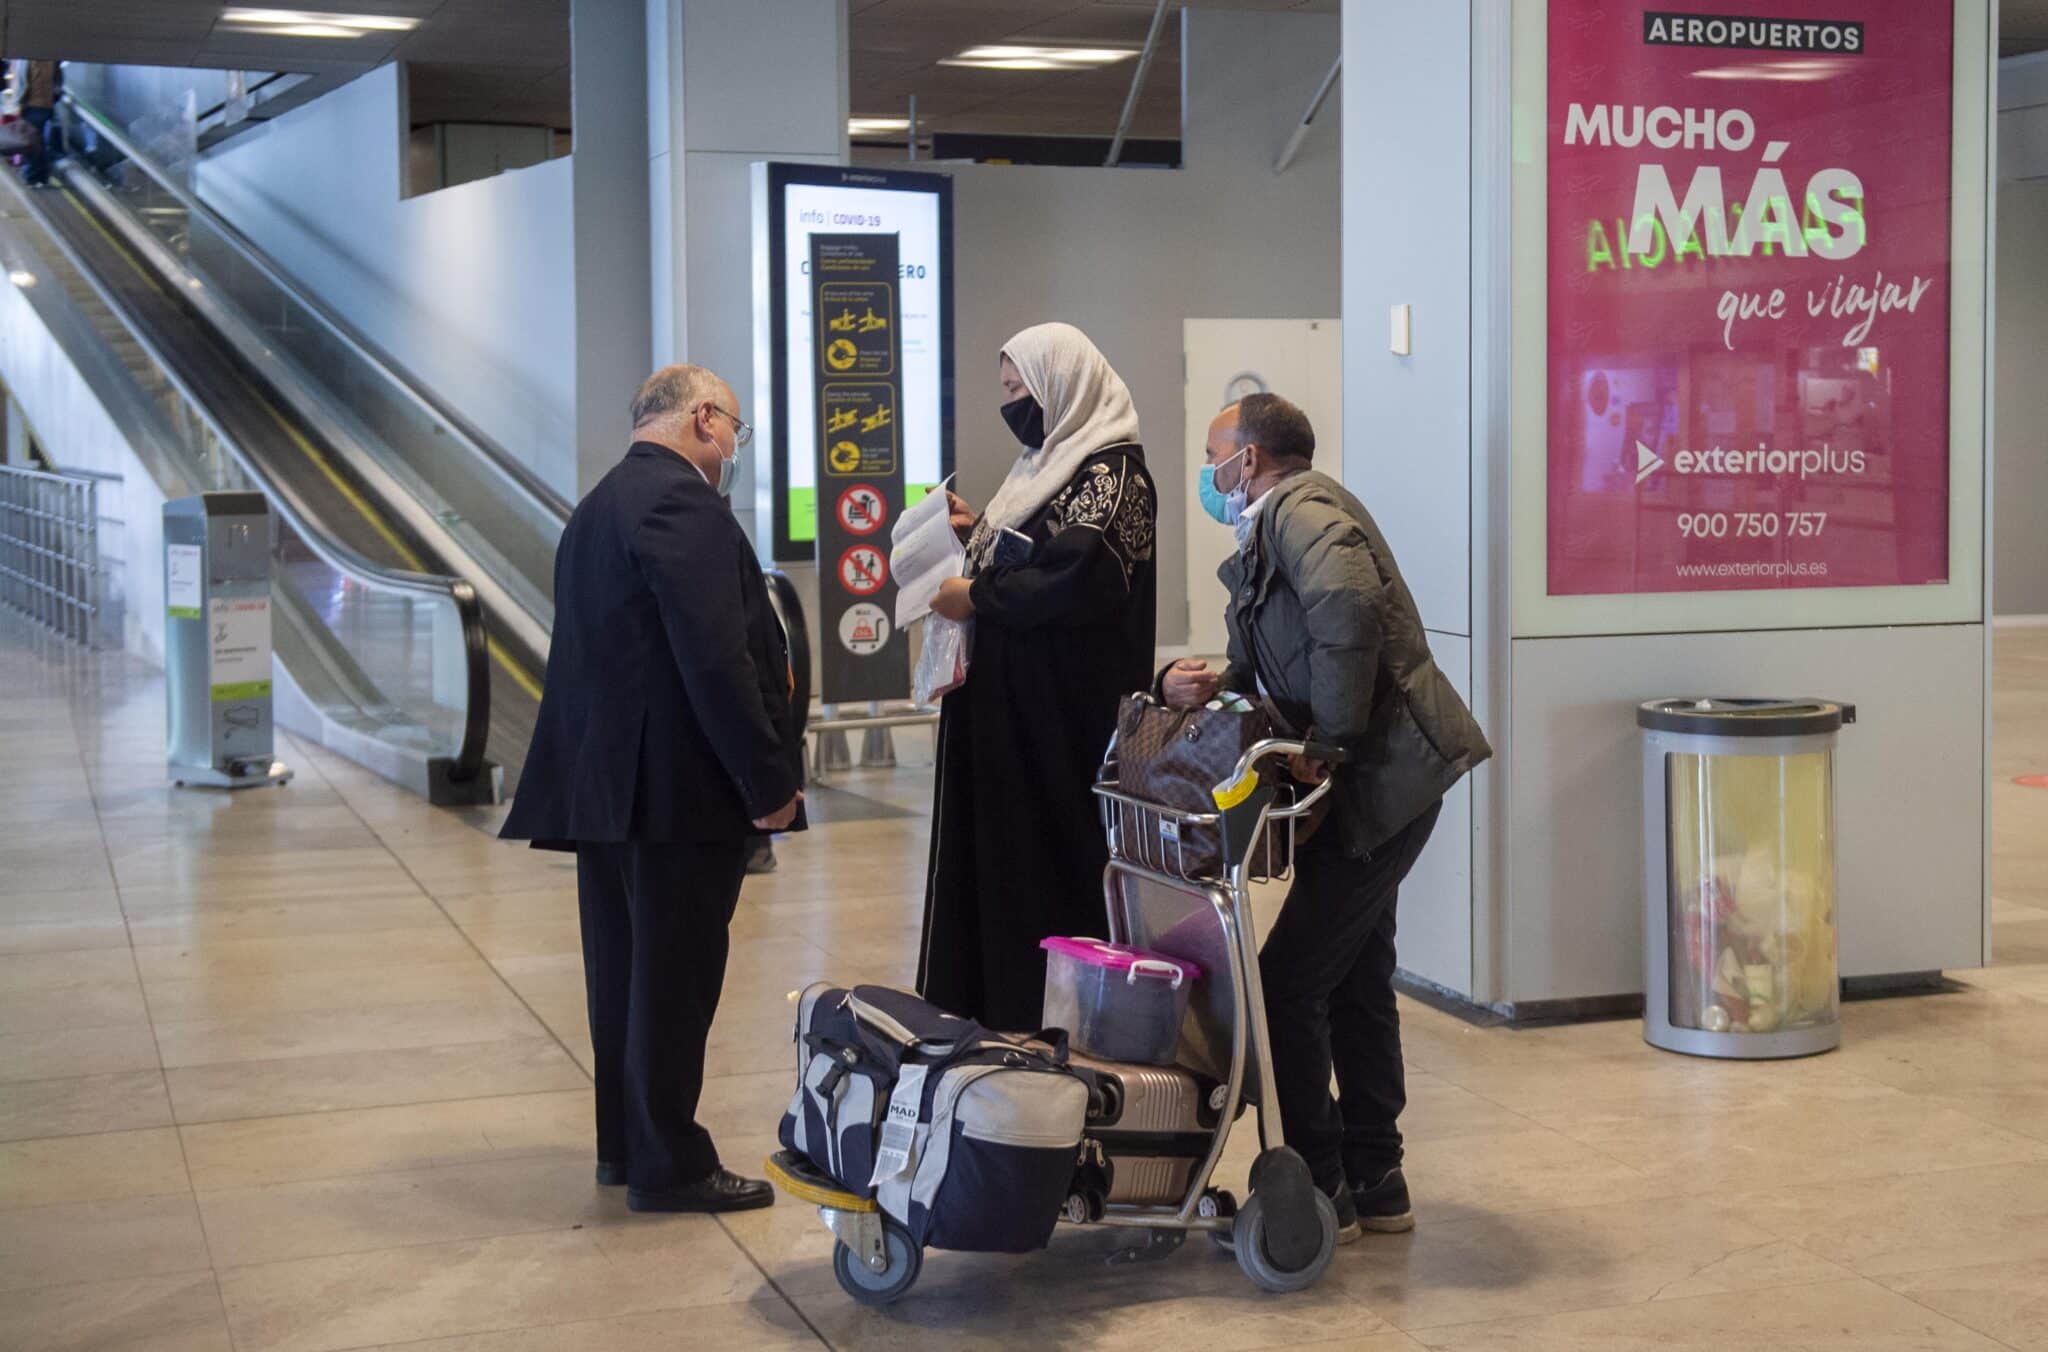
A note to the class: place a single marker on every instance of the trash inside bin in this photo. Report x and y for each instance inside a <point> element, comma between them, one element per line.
<point>1739,875</point>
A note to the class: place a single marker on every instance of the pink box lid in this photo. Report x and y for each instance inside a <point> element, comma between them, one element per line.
<point>1121,957</point>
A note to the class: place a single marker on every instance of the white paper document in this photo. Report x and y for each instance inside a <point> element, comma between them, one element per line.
<point>923,553</point>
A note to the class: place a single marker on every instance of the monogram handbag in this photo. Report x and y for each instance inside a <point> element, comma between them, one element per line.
<point>1176,758</point>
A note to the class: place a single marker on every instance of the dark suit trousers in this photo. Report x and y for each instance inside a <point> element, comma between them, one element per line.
<point>654,948</point>
<point>1328,974</point>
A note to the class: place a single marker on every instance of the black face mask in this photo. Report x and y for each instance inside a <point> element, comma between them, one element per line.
<point>1026,420</point>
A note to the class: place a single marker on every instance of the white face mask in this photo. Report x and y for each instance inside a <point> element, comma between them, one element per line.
<point>728,466</point>
<point>729,469</point>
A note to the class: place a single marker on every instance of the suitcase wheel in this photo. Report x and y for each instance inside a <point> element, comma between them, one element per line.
<point>902,1262</point>
<point>1218,1202</point>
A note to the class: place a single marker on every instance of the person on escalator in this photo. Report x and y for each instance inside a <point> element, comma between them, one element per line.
<point>39,84</point>
<point>663,745</point>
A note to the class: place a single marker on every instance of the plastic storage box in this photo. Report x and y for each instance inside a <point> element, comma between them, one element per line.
<point>1116,1002</point>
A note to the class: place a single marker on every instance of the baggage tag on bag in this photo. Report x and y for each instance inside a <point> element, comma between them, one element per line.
<point>899,1125</point>
<point>1231,792</point>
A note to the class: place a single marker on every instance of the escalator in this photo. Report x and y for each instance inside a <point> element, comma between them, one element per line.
<point>362,466</point>
<point>413,565</point>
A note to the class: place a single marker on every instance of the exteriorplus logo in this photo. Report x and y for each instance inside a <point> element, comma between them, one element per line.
<point>1648,462</point>
<point>1804,462</point>
<point>1833,37</point>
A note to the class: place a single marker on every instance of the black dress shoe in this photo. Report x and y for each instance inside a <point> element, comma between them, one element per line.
<point>724,1190</point>
<point>610,1175</point>
<point>1383,1207</point>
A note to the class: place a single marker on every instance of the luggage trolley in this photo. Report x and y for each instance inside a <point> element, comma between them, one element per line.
<point>1179,882</point>
<point>1157,1133</point>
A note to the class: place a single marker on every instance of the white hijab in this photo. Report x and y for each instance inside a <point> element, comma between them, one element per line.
<point>1087,409</point>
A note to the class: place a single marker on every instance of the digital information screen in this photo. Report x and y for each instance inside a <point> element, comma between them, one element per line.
<point>792,202</point>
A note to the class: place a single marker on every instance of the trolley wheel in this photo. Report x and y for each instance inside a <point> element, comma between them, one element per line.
<point>866,1285</point>
<point>1248,1235</point>
<point>1218,1202</point>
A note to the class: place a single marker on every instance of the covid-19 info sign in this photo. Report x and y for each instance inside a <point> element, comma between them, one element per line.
<point>1749,221</point>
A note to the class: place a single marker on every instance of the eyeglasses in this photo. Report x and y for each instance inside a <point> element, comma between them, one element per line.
<point>743,432</point>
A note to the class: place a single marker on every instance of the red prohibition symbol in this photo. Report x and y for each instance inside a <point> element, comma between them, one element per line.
<point>862,510</point>
<point>863,570</point>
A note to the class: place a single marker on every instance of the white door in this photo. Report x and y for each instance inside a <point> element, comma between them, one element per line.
<point>1300,359</point>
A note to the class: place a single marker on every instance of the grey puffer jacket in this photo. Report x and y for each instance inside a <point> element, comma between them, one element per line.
<point>1320,615</point>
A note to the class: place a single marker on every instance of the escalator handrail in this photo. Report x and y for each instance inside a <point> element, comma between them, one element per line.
<point>523,479</point>
<point>469,757</point>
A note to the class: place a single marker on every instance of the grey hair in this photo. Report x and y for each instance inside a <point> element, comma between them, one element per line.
<point>674,391</point>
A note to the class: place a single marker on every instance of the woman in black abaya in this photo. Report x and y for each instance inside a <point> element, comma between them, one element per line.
<point>1061,634</point>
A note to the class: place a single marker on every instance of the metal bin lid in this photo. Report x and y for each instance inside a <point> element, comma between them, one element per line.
<point>1722,716</point>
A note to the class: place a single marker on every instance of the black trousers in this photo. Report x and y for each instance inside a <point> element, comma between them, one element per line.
<point>654,949</point>
<point>37,167</point>
<point>1328,973</point>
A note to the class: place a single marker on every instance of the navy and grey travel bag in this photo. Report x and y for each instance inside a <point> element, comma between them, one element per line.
<point>967,1138</point>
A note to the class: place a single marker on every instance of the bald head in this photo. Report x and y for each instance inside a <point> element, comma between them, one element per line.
<point>692,412</point>
<point>674,392</point>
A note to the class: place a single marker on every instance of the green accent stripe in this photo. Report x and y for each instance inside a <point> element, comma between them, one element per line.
<point>184,612</point>
<point>803,515</point>
<point>224,694</point>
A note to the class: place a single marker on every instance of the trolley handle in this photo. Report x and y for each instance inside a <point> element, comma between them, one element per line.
<point>1327,752</point>
<point>1283,746</point>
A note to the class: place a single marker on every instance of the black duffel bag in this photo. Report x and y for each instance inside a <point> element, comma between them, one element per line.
<point>967,1138</point>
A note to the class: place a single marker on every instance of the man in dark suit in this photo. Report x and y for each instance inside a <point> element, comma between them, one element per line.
<point>664,741</point>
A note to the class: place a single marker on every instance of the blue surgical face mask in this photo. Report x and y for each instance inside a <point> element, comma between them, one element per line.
<point>1224,507</point>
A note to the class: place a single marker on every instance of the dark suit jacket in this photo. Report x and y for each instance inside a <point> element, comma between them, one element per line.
<point>666,716</point>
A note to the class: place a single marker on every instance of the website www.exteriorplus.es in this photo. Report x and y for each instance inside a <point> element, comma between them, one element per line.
<point>1773,568</point>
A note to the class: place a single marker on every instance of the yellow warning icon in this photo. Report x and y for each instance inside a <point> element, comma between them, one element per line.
<point>844,457</point>
<point>841,354</point>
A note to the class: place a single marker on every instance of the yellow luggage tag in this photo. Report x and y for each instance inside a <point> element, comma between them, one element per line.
<point>1231,792</point>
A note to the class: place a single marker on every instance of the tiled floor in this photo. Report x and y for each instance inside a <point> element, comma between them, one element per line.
<point>305,1069</point>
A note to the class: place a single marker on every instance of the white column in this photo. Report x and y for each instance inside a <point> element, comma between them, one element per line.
<point>729,82</point>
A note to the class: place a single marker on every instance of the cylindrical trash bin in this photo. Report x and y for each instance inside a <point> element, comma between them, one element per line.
<point>1739,876</point>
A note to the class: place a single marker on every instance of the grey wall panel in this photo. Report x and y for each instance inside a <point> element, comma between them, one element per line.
<point>1407,240</point>
<point>612,268</point>
<point>1436,902</point>
<point>1909,798</point>
<point>1127,254</point>
<point>2019,579</point>
<point>763,76</point>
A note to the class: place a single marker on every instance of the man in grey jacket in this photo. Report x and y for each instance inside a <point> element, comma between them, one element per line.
<point>1321,623</point>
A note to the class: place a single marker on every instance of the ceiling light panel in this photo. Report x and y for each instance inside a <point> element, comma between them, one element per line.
<point>1017,56</point>
<point>299,30</point>
<point>303,22</point>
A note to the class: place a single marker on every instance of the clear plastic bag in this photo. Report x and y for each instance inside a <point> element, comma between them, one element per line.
<point>942,662</point>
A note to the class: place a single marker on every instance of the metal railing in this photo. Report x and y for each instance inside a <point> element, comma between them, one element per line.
<point>50,550</point>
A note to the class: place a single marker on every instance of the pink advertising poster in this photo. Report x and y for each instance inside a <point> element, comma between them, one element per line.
<point>1748,294</point>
